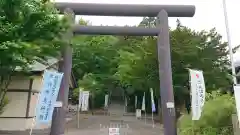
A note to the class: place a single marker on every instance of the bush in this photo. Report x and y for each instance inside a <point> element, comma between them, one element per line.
<point>216,117</point>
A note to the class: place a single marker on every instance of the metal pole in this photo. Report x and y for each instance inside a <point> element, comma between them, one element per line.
<point>59,114</point>
<point>165,75</point>
<point>229,42</point>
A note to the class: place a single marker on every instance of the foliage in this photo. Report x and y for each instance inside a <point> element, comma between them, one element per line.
<point>29,30</point>
<point>92,64</point>
<point>204,50</point>
<point>132,62</point>
<point>216,117</point>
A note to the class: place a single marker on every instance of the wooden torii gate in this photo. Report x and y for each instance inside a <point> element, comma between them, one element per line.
<point>164,56</point>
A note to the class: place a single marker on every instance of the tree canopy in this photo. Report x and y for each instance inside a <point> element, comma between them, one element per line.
<point>131,62</point>
<point>29,30</point>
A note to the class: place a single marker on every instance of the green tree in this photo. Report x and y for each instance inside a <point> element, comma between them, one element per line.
<point>93,64</point>
<point>132,62</point>
<point>204,50</point>
<point>29,30</point>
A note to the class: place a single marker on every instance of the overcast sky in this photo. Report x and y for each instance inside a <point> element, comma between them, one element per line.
<point>209,14</point>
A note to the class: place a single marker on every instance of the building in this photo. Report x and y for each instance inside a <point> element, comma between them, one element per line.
<point>22,94</point>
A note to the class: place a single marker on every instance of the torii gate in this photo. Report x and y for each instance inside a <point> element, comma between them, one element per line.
<point>164,56</point>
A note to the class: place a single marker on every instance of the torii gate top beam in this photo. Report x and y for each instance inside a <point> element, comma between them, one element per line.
<point>126,9</point>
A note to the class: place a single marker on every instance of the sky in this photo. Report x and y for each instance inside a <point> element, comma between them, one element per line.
<point>209,14</point>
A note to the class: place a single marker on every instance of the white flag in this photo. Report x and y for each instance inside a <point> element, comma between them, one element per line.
<point>198,90</point>
<point>237,100</point>
<point>85,98</point>
<point>106,101</point>
<point>143,102</point>
<point>80,98</point>
<point>152,99</point>
<point>135,102</point>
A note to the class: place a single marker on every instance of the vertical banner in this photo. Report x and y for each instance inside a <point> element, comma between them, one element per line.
<point>106,101</point>
<point>237,100</point>
<point>85,100</point>
<point>48,96</point>
<point>152,99</point>
<point>80,98</point>
<point>136,102</point>
<point>143,103</point>
<point>198,90</point>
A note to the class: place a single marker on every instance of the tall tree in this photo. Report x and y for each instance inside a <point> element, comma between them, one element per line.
<point>29,29</point>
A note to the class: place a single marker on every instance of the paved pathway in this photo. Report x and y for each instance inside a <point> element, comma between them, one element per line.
<point>98,125</point>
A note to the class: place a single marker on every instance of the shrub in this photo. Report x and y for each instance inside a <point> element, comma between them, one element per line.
<point>216,117</point>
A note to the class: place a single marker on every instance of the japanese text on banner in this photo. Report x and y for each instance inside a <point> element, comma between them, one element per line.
<point>48,96</point>
<point>197,92</point>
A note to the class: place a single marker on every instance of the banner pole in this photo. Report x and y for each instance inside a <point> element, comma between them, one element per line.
<point>153,120</point>
<point>78,110</point>
<point>145,117</point>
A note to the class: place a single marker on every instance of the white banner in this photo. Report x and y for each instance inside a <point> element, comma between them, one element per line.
<point>152,99</point>
<point>198,90</point>
<point>80,98</point>
<point>237,100</point>
<point>143,102</point>
<point>48,96</point>
<point>85,98</point>
<point>106,101</point>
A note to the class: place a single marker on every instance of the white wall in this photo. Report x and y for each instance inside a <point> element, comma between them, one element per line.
<point>17,105</point>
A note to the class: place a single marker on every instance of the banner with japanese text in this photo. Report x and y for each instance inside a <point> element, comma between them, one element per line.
<point>48,96</point>
<point>197,86</point>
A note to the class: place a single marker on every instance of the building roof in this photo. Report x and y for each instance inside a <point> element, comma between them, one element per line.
<point>41,64</point>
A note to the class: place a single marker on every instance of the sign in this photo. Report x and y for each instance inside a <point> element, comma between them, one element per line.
<point>170,105</point>
<point>198,90</point>
<point>48,96</point>
<point>106,101</point>
<point>58,104</point>
<point>85,98</point>
<point>138,113</point>
<point>152,99</point>
<point>113,131</point>
<point>143,103</point>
